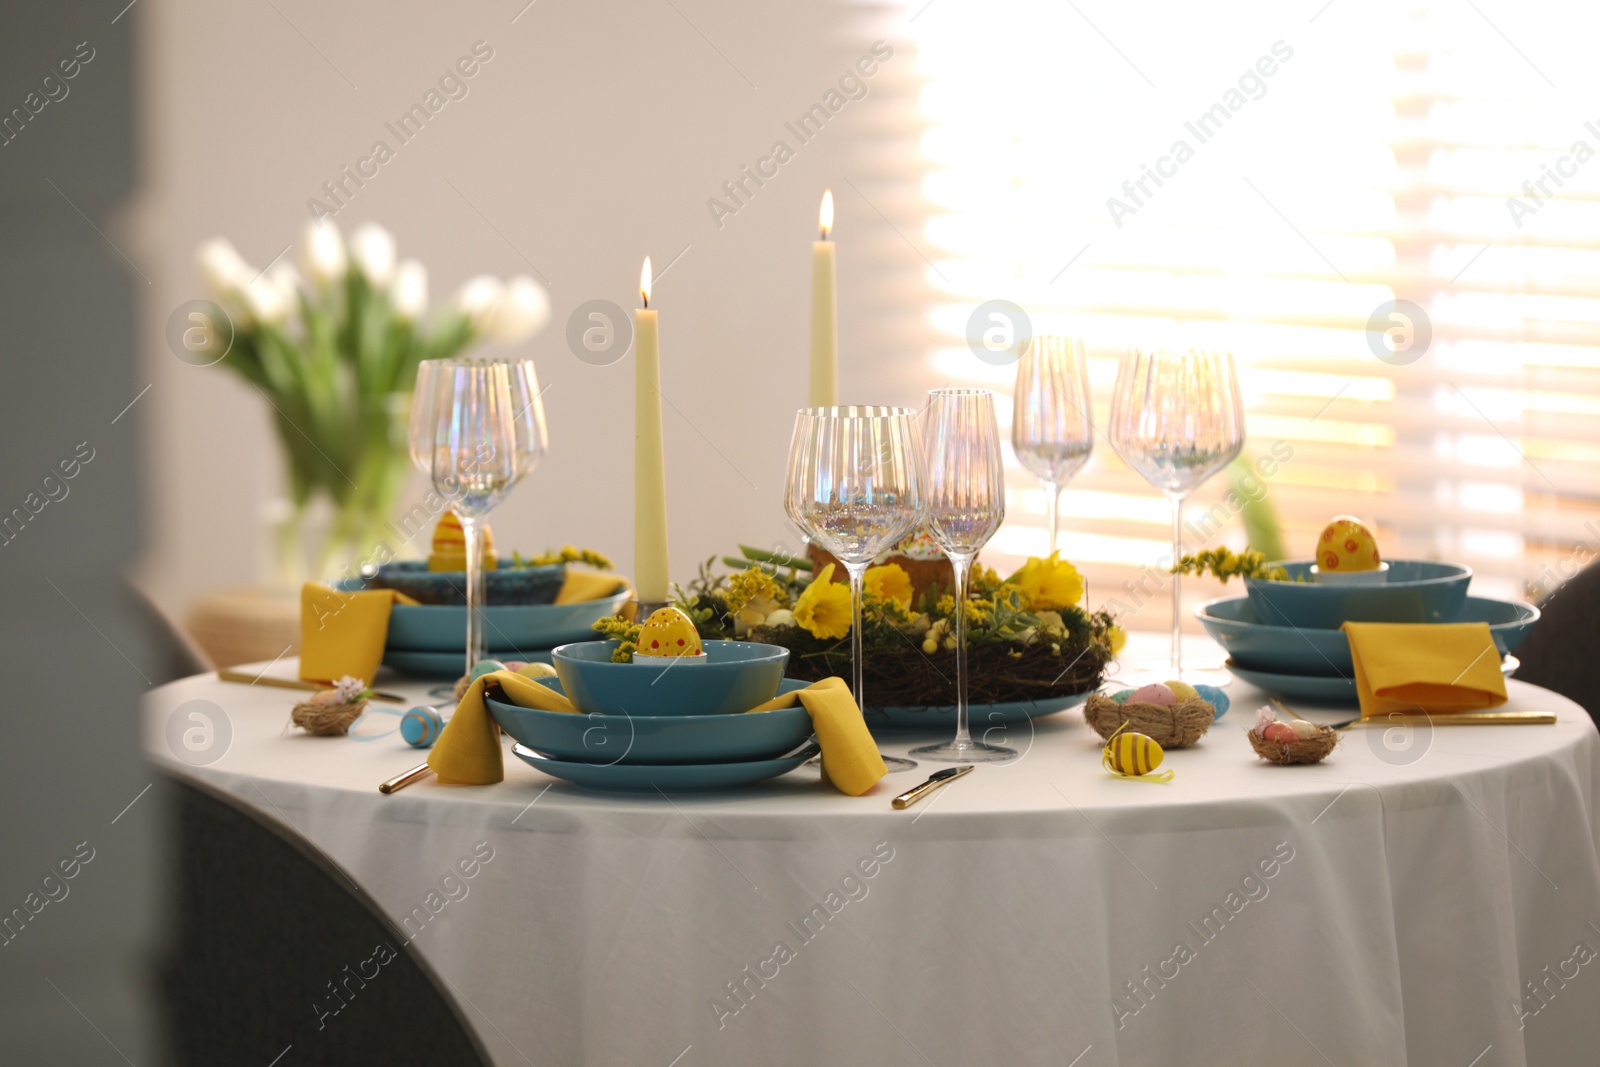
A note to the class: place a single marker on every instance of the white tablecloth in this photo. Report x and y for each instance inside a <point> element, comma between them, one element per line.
<point>1422,899</point>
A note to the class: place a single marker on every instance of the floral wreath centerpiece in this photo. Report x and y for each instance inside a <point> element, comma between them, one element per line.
<point>1028,640</point>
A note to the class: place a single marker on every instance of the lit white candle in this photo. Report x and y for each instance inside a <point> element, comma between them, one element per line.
<point>649,456</point>
<point>824,313</point>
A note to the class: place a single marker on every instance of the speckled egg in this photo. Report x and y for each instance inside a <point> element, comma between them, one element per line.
<point>1182,690</point>
<point>1154,693</point>
<point>486,666</point>
<point>536,670</point>
<point>1121,696</point>
<point>1304,729</point>
<point>1133,754</point>
<point>1346,546</point>
<point>668,632</point>
<point>1215,697</point>
<point>1281,732</point>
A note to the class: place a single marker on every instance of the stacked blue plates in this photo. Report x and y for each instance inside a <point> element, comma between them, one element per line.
<point>672,745</point>
<point>1313,663</point>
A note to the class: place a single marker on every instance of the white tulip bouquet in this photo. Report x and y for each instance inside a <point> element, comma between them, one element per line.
<point>335,352</point>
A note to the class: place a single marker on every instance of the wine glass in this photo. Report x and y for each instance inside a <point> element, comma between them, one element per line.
<point>966,504</point>
<point>855,487</point>
<point>474,462</point>
<point>1177,418</point>
<point>527,415</point>
<point>1052,424</point>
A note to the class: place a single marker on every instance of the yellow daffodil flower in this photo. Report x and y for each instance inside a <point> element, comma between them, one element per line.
<point>824,607</point>
<point>891,582</point>
<point>1049,584</point>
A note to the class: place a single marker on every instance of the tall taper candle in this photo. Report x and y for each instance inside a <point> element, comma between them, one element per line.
<point>824,313</point>
<point>649,458</point>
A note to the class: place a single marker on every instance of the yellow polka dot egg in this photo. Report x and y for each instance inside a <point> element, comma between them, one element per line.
<point>669,632</point>
<point>1347,552</point>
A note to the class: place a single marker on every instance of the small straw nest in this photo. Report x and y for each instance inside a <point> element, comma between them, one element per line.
<point>1168,725</point>
<point>1306,750</point>
<point>327,720</point>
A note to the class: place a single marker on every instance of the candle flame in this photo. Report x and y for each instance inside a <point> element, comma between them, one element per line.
<point>644,281</point>
<point>825,216</point>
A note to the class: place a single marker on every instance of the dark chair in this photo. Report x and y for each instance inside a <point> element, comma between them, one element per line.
<point>274,946</point>
<point>168,654</point>
<point>1563,650</point>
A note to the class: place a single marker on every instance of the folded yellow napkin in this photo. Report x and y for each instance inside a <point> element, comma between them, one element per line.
<point>849,754</point>
<point>580,586</point>
<point>343,633</point>
<point>469,749</point>
<point>1433,667</point>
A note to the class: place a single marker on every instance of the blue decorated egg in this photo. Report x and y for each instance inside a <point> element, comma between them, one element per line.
<point>1121,696</point>
<point>421,727</point>
<point>1215,697</point>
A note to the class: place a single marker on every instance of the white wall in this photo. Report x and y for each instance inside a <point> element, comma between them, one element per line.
<point>592,138</point>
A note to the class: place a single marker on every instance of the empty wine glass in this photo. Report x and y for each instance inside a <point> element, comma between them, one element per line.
<point>527,415</point>
<point>473,463</point>
<point>855,487</point>
<point>1052,423</point>
<point>966,504</point>
<point>1177,418</point>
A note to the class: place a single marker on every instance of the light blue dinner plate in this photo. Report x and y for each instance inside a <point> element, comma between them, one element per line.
<point>944,718</point>
<point>1234,624</point>
<point>507,627</point>
<point>667,778</point>
<point>448,664</point>
<point>656,739</point>
<point>1318,689</point>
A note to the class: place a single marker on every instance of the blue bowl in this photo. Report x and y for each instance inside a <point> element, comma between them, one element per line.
<point>1233,623</point>
<point>734,677</point>
<point>655,739</point>
<point>1417,591</point>
<point>506,584</point>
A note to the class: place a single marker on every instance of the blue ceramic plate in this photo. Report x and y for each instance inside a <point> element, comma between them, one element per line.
<point>445,664</point>
<point>1316,689</point>
<point>655,739</point>
<point>507,627</point>
<point>648,778</point>
<point>734,677</point>
<point>980,715</point>
<point>506,584</point>
<point>1233,623</point>
<point>1417,591</point>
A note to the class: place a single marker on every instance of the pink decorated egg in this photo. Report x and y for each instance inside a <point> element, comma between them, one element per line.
<point>1154,693</point>
<point>1281,732</point>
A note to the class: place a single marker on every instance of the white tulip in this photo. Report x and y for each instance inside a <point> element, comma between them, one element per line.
<point>223,267</point>
<point>410,292</point>
<point>781,617</point>
<point>480,300</point>
<point>287,281</point>
<point>372,247</point>
<point>523,313</point>
<point>322,253</point>
<point>265,301</point>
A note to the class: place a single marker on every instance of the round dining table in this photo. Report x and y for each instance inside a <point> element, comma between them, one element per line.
<point>1424,896</point>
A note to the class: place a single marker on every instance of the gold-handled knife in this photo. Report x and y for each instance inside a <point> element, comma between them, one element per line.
<point>400,781</point>
<point>939,778</point>
<point>227,675</point>
<point>1454,718</point>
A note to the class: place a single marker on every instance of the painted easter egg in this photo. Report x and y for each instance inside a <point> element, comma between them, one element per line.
<point>1213,696</point>
<point>1304,729</point>
<point>1121,696</point>
<point>1132,754</point>
<point>1182,690</point>
<point>450,546</point>
<point>486,666</point>
<point>537,670</point>
<point>1346,546</point>
<point>668,632</point>
<point>326,696</point>
<point>1154,693</point>
<point>1281,732</point>
<point>421,726</point>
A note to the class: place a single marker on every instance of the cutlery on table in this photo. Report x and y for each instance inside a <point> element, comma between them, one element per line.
<point>400,781</point>
<point>1452,718</point>
<point>225,674</point>
<point>937,779</point>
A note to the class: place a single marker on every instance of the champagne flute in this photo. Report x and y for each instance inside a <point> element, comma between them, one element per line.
<point>475,463</point>
<point>1052,423</point>
<point>966,504</point>
<point>1177,418</point>
<point>855,487</point>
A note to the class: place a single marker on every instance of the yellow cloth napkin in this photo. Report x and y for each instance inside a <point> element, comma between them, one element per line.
<point>343,633</point>
<point>469,749</point>
<point>580,586</point>
<point>1434,667</point>
<point>849,754</point>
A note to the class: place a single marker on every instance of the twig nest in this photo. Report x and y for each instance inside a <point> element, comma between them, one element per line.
<point>327,718</point>
<point>1294,743</point>
<point>1176,725</point>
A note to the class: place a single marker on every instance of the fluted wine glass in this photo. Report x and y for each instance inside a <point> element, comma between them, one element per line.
<point>1177,418</point>
<point>473,463</point>
<point>1052,423</point>
<point>855,487</point>
<point>966,504</point>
